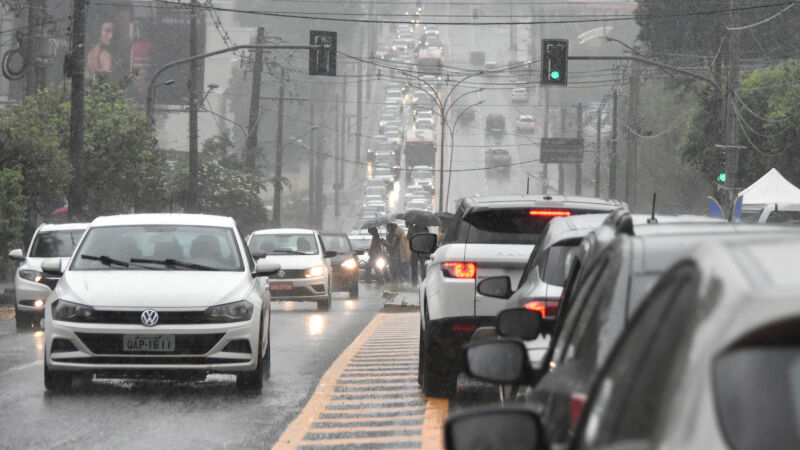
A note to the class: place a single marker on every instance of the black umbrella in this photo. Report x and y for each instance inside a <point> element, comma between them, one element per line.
<point>419,217</point>
<point>376,222</point>
<point>445,218</point>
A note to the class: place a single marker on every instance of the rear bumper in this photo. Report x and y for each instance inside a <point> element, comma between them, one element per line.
<point>449,335</point>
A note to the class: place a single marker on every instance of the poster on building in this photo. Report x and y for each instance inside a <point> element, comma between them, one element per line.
<point>131,40</point>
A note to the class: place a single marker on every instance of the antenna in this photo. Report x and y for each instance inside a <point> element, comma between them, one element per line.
<point>652,218</point>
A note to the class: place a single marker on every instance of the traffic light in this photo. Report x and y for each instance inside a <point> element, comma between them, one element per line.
<point>722,162</point>
<point>322,61</point>
<point>554,61</point>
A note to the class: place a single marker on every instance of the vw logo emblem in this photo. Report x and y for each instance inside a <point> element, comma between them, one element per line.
<point>149,318</point>
<point>281,274</point>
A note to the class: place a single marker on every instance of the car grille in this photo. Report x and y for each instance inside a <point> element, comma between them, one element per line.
<point>299,291</point>
<point>290,273</point>
<point>185,344</point>
<point>164,317</point>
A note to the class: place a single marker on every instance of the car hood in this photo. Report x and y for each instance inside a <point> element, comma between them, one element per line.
<point>153,288</point>
<point>289,262</point>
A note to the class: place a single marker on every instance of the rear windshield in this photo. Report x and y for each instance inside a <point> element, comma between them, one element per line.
<point>758,396</point>
<point>336,243</point>
<point>504,226</point>
<point>784,217</point>
<point>53,244</point>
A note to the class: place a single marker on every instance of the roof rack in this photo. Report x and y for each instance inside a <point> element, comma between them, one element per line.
<point>621,220</point>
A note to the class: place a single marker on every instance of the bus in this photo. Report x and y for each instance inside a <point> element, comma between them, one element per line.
<point>420,149</point>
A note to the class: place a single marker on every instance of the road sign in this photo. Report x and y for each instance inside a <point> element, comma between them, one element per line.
<point>561,151</point>
<point>322,61</point>
<point>554,61</point>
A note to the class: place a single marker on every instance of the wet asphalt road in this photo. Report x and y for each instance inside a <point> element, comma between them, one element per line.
<point>156,414</point>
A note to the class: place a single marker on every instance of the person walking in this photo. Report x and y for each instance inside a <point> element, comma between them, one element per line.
<point>417,260</point>
<point>377,262</point>
<point>393,249</point>
<point>405,255</point>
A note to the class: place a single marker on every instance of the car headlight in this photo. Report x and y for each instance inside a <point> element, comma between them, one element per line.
<point>230,312</point>
<point>315,271</point>
<point>350,264</point>
<point>72,312</point>
<point>380,263</point>
<point>31,275</point>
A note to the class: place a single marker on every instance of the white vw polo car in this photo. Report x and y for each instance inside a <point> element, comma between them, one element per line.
<point>163,293</point>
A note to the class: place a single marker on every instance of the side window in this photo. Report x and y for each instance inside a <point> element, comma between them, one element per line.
<point>577,304</point>
<point>644,367</point>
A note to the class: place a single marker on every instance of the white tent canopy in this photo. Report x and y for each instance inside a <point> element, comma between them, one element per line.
<point>771,188</point>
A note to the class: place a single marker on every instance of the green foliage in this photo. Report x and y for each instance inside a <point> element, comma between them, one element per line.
<point>226,186</point>
<point>12,211</point>
<point>768,108</point>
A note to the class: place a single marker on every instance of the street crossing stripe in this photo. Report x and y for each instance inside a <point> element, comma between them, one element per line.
<point>369,397</point>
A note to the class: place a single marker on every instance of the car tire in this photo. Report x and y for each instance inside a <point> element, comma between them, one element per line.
<point>254,381</point>
<point>438,380</point>
<point>326,304</point>
<point>354,289</point>
<point>56,381</point>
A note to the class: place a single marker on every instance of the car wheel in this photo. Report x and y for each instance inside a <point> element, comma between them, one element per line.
<point>354,289</point>
<point>438,380</point>
<point>56,381</point>
<point>254,381</point>
<point>421,358</point>
<point>325,304</point>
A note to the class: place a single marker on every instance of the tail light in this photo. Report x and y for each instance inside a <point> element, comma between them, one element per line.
<point>576,402</point>
<point>458,269</point>
<point>547,308</point>
<point>550,212</point>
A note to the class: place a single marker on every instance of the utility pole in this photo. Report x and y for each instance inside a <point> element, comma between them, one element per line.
<point>359,111</point>
<point>561,174</point>
<point>732,82</point>
<point>546,133</point>
<point>278,184</point>
<point>631,164</point>
<point>77,188</point>
<point>191,190</point>
<point>597,157</point>
<point>251,142</point>
<point>612,160</point>
<point>338,128</point>
<point>312,201</point>
<point>343,130</point>
<point>578,167</point>
<point>35,74</point>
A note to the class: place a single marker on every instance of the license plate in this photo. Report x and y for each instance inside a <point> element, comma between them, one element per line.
<point>150,343</point>
<point>281,286</point>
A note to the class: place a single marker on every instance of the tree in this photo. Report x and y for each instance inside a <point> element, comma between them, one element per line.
<point>12,213</point>
<point>226,186</point>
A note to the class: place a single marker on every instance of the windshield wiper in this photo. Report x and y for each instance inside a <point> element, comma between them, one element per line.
<point>106,260</point>
<point>169,262</point>
<point>291,252</point>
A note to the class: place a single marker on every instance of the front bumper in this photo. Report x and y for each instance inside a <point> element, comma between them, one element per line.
<point>303,289</point>
<point>98,347</point>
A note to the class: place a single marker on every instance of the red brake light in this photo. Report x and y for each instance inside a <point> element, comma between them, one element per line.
<point>458,269</point>
<point>550,212</point>
<point>547,308</point>
<point>468,327</point>
<point>576,402</point>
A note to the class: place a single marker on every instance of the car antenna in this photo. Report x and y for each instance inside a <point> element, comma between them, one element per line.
<point>652,218</point>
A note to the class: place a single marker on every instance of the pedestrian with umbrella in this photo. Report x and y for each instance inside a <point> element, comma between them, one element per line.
<point>377,261</point>
<point>418,222</point>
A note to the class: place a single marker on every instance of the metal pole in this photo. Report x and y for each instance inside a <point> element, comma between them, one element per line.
<point>337,152</point>
<point>578,166</point>
<point>631,141</point>
<point>311,171</point>
<point>191,188</point>
<point>561,172</point>
<point>278,184</point>
<point>251,142</point>
<point>546,133</point>
<point>597,158</point>
<point>443,126</point>
<point>612,161</point>
<point>77,188</point>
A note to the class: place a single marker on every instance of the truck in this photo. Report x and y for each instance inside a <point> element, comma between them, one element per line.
<point>420,149</point>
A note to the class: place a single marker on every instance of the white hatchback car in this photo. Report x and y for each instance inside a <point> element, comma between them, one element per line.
<point>164,293</point>
<point>31,285</point>
<point>305,273</point>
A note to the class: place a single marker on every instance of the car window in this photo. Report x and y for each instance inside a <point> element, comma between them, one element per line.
<point>504,226</point>
<point>557,264</point>
<point>336,243</point>
<point>757,391</point>
<point>53,244</point>
<point>212,247</point>
<point>784,217</point>
<point>634,387</point>
<point>285,244</point>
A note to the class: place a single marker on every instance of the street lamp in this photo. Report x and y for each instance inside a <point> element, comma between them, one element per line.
<point>452,148</point>
<point>312,199</point>
<point>151,97</point>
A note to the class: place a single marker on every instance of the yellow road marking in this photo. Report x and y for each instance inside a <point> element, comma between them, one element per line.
<point>403,337</point>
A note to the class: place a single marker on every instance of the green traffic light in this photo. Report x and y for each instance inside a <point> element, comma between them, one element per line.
<point>722,177</point>
<point>555,75</point>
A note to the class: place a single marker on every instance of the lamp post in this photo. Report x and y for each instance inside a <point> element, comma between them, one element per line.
<point>452,149</point>
<point>311,174</point>
<point>151,97</point>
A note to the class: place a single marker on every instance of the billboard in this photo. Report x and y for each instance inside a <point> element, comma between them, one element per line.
<point>133,39</point>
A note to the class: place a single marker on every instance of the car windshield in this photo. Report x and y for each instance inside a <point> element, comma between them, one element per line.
<point>149,247</point>
<point>422,174</point>
<point>53,244</point>
<point>336,243</point>
<point>284,244</point>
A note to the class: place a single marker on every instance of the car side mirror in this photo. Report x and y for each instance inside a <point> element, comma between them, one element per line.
<point>265,267</point>
<point>423,243</point>
<point>519,323</point>
<point>16,254</point>
<point>52,266</point>
<point>499,287</point>
<point>502,361</point>
<point>258,254</point>
<point>507,428</point>
<point>330,254</point>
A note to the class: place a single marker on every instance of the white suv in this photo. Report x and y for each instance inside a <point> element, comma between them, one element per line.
<point>488,237</point>
<point>31,285</point>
